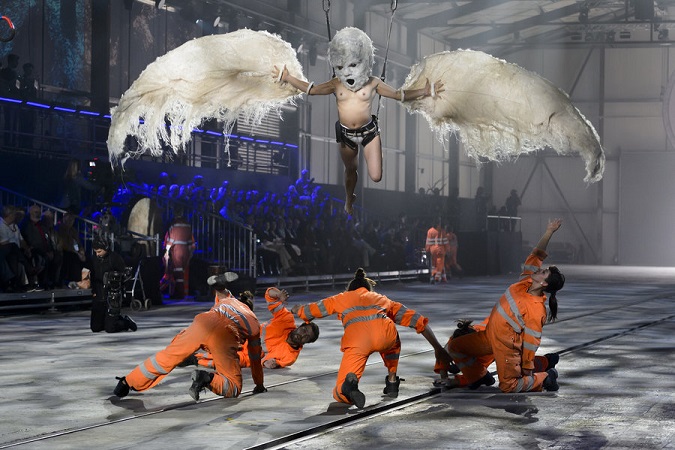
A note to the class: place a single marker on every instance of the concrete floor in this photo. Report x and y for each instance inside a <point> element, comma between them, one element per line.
<point>615,335</point>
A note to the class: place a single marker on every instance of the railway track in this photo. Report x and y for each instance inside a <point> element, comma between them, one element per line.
<point>371,411</point>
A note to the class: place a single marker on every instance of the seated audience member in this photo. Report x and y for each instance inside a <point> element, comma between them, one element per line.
<point>70,245</point>
<point>14,251</point>
<point>42,248</point>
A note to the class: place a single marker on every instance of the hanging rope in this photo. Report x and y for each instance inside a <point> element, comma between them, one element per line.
<point>394,6</point>
<point>326,9</point>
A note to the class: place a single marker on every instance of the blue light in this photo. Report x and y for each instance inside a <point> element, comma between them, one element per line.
<point>39,105</point>
<point>262,141</point>
<point>59,108</point>
<point>276,143</point>
<point>244,138</point>
<point>214,133</point>
<point>291,146</point>
<point>90,113</point>
<point>10,100</point>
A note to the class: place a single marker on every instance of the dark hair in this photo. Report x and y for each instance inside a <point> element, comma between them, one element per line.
<point>246,298</point>
<point>463,327</point>
<point>360,281</point>
<point>554,282</point>
<point>315,330</point>
<point>101,244</point>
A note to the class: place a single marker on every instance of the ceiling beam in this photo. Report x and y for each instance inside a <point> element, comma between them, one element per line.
<point>503,30</point>
<point>442,19</point>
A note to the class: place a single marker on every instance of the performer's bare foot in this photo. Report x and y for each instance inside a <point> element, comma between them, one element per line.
<point>349,205</point>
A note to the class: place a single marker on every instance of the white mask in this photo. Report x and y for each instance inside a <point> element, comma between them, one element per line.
<point>351,54</point>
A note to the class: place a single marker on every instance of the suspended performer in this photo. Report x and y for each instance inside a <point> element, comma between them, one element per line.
<point>351,54</point>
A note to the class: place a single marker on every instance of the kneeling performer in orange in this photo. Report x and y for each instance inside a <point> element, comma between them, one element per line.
<point>514,329</point>
<point>281,340</point>
<point>220,331</point>
<point>369,321</point>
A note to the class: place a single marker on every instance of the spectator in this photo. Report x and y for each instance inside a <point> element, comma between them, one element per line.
<point>512,204</point>
<point>481,205</point>
<point>14,251</point>
<point>71,248</point>
<point>73,186</point>
<point>42,248</point>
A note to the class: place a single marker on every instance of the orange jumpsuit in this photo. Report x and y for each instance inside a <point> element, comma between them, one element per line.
<point>540,362</point>
<point>220,331</point>
<point>485,360</point>
<point>180,243</point>
<point>436,245</point>
<point>451,251</point>
<point>273,335</point>
<point>369,320</point>
<point>512,335</point>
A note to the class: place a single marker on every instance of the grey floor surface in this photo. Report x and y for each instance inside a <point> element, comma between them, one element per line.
<point>615,335</point>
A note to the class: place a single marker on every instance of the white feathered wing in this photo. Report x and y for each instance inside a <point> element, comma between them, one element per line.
<point>501,110</point>
<point>218,76</point>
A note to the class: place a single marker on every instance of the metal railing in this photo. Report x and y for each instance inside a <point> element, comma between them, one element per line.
<point>220,241</point>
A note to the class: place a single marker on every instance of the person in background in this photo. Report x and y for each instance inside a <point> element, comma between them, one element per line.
<point>180,245</point>
<point>107,284</point>
<point>436,247</point>
<point>70,246</point>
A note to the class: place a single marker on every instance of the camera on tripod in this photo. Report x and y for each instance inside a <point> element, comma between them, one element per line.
<point>113,289</point>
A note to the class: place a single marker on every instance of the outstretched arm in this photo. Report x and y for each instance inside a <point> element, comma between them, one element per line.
<point>308,88</point>
<point>441,353</point>
<point>411,94</point>
<point>553,226</point>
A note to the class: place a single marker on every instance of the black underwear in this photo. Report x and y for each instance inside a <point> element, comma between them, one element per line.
<point>368,132</point>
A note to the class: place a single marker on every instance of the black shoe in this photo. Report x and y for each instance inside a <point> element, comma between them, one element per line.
<point>223,278</point>
<point>487,380</point>
<point>552,359</point>
<point>551,381</point>
<point>131,325</point>
<point>391,387</point>
<point>189,361</point>
<point>200,381</point>
<point>350,389</point>
<point>122,388</point>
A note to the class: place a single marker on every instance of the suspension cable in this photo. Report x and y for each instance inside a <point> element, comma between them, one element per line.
<point>394,6</point>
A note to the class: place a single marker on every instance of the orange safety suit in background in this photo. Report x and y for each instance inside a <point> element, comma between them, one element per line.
<point>451,252</point>
<point>512,336</point>
<point>273,335</point>
<point>369,320</point>
<point>180,245</point>
<point>436,246</point>
<point>221,331</point>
